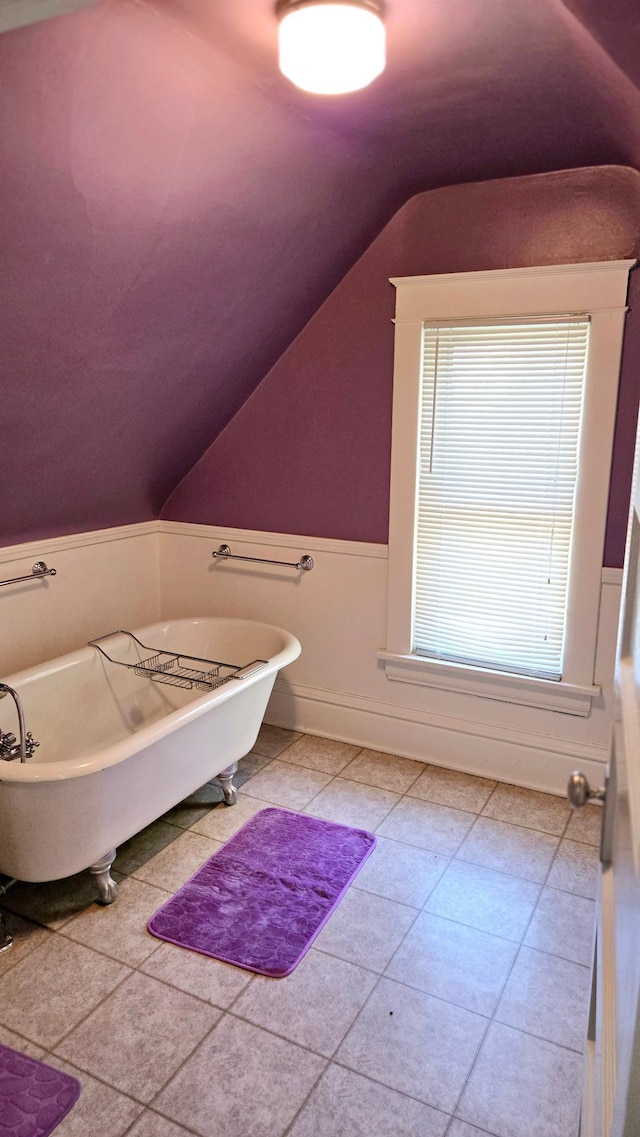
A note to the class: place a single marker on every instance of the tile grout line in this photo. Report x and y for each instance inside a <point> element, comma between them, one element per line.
<point>52,1048</point>
<point>340,774</point>
<point>488,1132</point>
<point>151,1104</point>
<point>332,1061</point>
<point>335,778</point>
<point>367,1077</point>
<point>508,976</point>
<point>229,1010</point>
<point>10,965</point>
<point>329,1061</point>
<point>519,943</point>
<point>489,1019</point>
<point>137,966</point>
<point>507,939</point>
<point>51,1054</point>
<point>145,1105</point>
<point>228,1013</point>
<point>187,1128</point>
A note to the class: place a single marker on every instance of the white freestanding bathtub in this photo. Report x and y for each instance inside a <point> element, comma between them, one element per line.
<point>117,748</point>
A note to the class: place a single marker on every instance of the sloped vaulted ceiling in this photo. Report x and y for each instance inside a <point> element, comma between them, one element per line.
<point>173,212</point>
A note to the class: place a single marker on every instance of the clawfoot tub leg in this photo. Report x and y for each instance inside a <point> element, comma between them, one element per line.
<point>107,887</point>
<point>6,941</point>
<point>226,781</point>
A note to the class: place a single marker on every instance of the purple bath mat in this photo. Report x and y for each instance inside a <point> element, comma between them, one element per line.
<point>260,901</point>
<point>33,1097</point>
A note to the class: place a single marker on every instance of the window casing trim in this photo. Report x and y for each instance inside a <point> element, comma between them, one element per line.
<point>597,290</point>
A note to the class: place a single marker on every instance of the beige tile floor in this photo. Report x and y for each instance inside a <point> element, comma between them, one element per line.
<point>445,997</point>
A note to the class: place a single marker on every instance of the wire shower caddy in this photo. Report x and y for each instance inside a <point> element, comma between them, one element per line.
<point>177,670</point>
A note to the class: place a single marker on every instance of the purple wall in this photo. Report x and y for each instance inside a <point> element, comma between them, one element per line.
<point>309,451</point>
<point>166,231</point>
<point>173,213</point>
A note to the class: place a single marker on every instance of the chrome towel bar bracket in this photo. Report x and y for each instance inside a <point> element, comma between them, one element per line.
<point>39,570</point>
<point>305,564</point>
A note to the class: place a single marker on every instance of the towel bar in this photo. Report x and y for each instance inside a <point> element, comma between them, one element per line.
<point>39,569</point>
<point>305,564</point>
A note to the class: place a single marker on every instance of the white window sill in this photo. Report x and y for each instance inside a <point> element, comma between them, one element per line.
<point>568,698</point>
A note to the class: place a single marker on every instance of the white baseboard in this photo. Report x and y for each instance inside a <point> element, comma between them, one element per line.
<point>531,760</point>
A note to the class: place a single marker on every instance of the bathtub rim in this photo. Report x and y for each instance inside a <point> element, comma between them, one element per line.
<point>39,772</point>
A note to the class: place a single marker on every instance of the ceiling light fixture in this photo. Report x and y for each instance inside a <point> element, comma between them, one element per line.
<point>330,47</point>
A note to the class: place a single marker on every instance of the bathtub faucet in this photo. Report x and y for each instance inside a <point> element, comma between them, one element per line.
<point>10,746</point>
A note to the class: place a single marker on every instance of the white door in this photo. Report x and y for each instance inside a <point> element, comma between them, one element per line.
<point>611,1103</point>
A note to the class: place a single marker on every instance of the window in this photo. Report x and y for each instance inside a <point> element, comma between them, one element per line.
<point>505,388</point>
<point>498,442</point>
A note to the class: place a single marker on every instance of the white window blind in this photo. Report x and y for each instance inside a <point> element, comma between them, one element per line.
<point>499,428</point>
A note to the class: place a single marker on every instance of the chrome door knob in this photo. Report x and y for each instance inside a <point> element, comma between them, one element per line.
<point>579,791</point>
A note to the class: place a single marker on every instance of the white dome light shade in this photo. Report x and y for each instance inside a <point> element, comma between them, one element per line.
<point>331,48</point>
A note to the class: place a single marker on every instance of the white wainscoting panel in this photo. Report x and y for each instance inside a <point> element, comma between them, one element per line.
<point>136,574</point>
<point>104,580</point>
<point>338,687</point>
